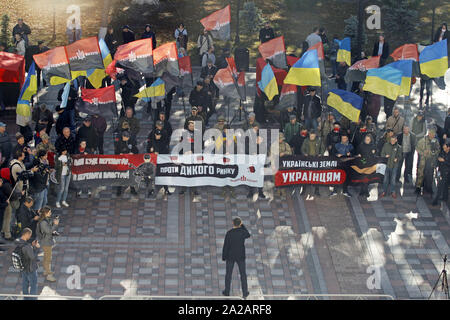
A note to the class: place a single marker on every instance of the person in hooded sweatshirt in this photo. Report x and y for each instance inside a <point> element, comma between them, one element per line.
<point>127,34</point>
<point>149,34</point>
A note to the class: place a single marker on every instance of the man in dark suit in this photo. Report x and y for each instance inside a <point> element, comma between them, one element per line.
<point>381,48</point>
<point>234,251</point>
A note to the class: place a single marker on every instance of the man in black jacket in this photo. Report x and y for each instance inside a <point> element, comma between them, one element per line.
<point>444,171</point>
<point>87,133</point>
<point>40,181</point>
<point>381,48</point>
<point>234,252</point>
<point>66,141</point>
<point>27,217</point>
<point>311,110</point>
<point>297,141</point>
<point>266,33</point>
<point>124,146</point>
<point>30,259</point>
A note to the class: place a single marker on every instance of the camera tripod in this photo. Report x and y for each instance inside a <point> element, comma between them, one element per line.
<point>444,281</point>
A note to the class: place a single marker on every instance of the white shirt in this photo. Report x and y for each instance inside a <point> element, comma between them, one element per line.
<point>65,168</point>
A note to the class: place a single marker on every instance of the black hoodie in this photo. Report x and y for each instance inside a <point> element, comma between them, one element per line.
<point>149,34</point>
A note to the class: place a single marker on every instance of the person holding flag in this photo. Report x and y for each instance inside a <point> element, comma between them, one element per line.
<point>29,89</point>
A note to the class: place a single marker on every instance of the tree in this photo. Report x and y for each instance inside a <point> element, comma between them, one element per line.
<point>351,31</point>
<point>251,18</point>
<point>401,20</point>
<point>4,38</point>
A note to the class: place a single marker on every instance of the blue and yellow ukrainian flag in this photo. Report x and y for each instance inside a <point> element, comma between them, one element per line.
<point>96,76</point>
<point>157,89</point>
<point>385,81</point>
<point>344,52</point>
<point>405,66</point>
<point>306,71</point>
<point>434,60</point>
<point>347,103</point>
<point>268,82</point>
<point>29,88</point>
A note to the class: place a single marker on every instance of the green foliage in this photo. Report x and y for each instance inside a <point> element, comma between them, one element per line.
<point>250,18</point>
<point>295,5</point>
<point>401,20</point>
<point>4,34</point>
<point>351,30</point>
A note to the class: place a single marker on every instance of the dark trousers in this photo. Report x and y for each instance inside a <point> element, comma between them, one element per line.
<point>100,144</point>
<point>408,159</point>
<point>425,84</point>
<point>442,189</point>
<point>388,107</point>
<point>229,273</point>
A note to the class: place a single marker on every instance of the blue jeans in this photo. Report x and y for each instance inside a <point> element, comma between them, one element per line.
<point>29,283</point>
<point>311,124</point>
<point>63,188</point>
<point>389,179</point>
<point>40,199</point>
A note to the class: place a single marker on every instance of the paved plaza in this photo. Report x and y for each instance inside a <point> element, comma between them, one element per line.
<point>172,246</point>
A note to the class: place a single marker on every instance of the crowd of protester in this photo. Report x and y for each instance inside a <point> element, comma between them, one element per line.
<point>33,165</point>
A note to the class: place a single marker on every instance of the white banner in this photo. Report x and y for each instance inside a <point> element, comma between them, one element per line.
<point>195,170</point>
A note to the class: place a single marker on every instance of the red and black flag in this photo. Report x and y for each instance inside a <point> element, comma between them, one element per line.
<point>136,55</point>
<point>241,87</point>
<point>218,23</point>
<point>185,65</point>
<point>274,51</point>
<point>366,171</point>
<point>238,78</point>
<point>165,59</point>
<point>288,96</point>
<point>84,55</point>
<point>98,101</point>
<point>226,84</point>
<point>53,63</point>
<point>186,72</point>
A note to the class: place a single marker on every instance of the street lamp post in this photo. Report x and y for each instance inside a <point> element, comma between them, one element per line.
<point>237,39</point>
<point>360,29</point>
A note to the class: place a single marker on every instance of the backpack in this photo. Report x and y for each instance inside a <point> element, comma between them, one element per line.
<point>17,257</point>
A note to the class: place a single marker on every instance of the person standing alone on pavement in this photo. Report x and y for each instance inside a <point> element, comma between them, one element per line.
<point>234,252</point>
<point>29,254</point>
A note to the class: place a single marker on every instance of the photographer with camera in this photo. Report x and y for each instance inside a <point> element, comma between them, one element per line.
<point>46,230</point>
<point>20,175</point>
<point>40,181</point>
<point>27,217</point>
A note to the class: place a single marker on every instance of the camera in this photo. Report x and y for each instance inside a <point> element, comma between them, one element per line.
<point>24,175</point>
<point>43,167</point>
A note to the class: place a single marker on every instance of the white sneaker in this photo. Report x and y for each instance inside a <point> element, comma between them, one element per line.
<point>65,204</point>
<point>58,205</point>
